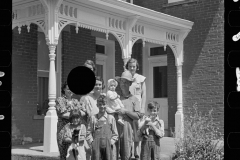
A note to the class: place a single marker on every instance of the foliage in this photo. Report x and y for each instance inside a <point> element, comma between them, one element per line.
<point>201,140</point>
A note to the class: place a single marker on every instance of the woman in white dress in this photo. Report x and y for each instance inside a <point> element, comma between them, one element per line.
<point>138,88</point>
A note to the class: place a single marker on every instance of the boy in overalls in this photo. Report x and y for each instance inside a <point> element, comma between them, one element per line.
<point>151,129</point>
<point>102,132</point>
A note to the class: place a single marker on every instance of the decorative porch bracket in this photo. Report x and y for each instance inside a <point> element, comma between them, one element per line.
<point>179,118</point>
<point>127,44</point>
<point>52,36</point>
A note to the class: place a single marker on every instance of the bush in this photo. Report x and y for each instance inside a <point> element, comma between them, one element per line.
<point>201,140</point>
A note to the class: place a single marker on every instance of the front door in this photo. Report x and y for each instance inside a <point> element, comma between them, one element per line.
<point>158,85</point>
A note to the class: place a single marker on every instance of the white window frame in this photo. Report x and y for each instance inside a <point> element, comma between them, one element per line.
<point>101,60</point>
<point>154,62</point>
<point>173,1</point>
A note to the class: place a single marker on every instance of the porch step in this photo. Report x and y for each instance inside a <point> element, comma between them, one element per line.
<point>35,151</point>
<point>32,157</point>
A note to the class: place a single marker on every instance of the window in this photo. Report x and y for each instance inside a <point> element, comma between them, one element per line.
<point>160,82</point>
<point>99,69</point>
<point>42,75</point>
<point>100,49</point>
<point>156,51</point>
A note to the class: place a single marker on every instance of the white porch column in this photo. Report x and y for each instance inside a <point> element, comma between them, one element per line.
<point>52,35</point>
<point>179,113</point>
<point>50,120</point>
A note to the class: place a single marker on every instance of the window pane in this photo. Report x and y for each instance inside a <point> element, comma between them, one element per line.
<point>42,95</point>
<point>100,49</point>
<point>99,70</point>
<point>160,81</point>
<point>156,51</point>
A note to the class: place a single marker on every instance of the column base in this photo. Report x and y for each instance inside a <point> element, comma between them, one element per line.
<point>179,125</point>
<point>50,132</point>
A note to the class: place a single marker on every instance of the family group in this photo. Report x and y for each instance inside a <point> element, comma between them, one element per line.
<point>106,126</point>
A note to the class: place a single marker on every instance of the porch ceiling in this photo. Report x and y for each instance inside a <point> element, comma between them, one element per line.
<point>147,16</point>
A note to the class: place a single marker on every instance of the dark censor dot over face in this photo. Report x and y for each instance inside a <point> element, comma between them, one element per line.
<point>81,80</point>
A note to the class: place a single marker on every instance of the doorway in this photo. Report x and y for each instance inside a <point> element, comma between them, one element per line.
<point>158,85</point>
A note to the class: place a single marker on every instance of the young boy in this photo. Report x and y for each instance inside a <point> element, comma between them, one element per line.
<point>75,133</point>
<point>102,132</point>
<point>113,101</point>
<point>151,129</point>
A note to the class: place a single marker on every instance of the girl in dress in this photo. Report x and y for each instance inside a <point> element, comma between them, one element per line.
<point>75,134</point>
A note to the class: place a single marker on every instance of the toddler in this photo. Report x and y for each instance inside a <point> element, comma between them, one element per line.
<point>114,103</point>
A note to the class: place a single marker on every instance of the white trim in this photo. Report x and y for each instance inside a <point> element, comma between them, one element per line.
<point>108,58</point>
<point>101,60</point>
<point>42,73</point>
<point>154,62</point>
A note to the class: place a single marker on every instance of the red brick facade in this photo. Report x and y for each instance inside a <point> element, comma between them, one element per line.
<point>203,67</point>
<point>172,87</point>
<point>76,49</point>
<point>24,85</point>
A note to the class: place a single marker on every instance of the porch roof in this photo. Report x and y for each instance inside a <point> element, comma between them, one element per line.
<point>125,9</point>
<point>146,15</point>
<point>126,21</point>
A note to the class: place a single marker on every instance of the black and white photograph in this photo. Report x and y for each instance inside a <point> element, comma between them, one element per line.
<point>119,79</point>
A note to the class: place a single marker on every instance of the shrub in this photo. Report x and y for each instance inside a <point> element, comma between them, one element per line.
<point>202,140</point>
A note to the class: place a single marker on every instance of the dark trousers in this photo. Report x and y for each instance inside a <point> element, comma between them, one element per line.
<point>150,150</point>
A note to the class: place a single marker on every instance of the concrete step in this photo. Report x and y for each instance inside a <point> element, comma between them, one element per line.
<point>35,151</point>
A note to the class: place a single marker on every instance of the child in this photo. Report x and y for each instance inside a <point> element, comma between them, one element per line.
<point>114,103</point>
<point>102,132</point>
<point>75,133</point>
<point>151,129</point>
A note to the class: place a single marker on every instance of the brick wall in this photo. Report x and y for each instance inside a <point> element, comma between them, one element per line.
<point>24,85</point>
<point>203,67</point>
<point>76,49</point>
<point>118,63</point>
<point>172,87</point>
<point>137,54</point>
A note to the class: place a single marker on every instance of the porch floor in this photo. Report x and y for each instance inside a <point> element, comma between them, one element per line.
<point>35,151</point>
